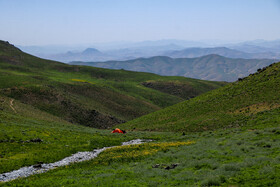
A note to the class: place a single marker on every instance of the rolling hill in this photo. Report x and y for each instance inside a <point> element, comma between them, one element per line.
<point>222,51</point>
<point>210,67</point>
<point>89,96</point>
<point>249,102</point>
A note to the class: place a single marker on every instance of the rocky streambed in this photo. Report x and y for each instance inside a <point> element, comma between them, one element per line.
<point>77,157</point>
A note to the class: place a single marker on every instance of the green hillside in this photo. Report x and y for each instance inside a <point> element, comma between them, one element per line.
<point>235,105</point>
<point>85,95</point>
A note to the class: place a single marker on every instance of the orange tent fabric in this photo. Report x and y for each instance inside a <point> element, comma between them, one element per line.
<point>117,131</point>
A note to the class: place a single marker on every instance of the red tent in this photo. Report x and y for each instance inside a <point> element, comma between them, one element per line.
<point>118,131</point>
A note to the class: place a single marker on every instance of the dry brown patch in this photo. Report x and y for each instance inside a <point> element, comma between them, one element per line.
<point>256,108</point>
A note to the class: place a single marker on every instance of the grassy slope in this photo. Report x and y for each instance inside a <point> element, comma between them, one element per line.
<point>86,95</point>
<point>230,106</point>
<point>232,157</point>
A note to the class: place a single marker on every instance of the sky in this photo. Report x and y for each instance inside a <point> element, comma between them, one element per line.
<point>73,22</point>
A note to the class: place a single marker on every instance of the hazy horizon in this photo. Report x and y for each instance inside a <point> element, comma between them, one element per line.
<point>70,22</point>
<point>212,42</point>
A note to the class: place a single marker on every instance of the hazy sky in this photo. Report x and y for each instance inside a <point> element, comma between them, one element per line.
<point>41,22</point>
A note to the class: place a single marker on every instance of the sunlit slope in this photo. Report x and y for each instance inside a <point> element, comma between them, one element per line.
<point>89,96</point>
<point>234,105</point>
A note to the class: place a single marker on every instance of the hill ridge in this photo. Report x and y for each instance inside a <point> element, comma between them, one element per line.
<point>233,105</point>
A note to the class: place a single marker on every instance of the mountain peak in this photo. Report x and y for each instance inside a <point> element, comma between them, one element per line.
<point>5,46</point>
<point>90,51</point>
<point>212,56</point>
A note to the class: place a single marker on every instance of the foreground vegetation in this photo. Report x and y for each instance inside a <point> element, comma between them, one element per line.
<point>237,156</point>
<point>30,136</point>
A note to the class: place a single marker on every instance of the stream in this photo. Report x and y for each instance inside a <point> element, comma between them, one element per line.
<point>77,157</point>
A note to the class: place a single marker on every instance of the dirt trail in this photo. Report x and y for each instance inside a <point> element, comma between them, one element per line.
<point>11,105</point>
<point>42,168</point>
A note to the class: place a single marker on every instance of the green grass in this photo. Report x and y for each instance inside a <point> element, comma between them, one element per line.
<point>59,138</point>
<point>233,105</point>
<point>233,157</point>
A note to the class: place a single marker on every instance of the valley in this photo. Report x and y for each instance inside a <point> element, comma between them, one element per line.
<point>205,133</point>
<point>139,93</point>
<point>89,96</point>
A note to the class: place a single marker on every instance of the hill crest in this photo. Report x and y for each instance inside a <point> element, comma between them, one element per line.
<point>234,105</point>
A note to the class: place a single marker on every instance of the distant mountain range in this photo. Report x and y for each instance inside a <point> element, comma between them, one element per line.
<point>223,51</point>
<point>86,55</point>
<point>209,67</point>
<point>258,49</point>
<point>257,46</point>
<point>174,51</point>
<point>92,54</point>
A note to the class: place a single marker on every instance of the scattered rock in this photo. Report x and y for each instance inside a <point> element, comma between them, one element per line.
<point>174,165</point>
<point>276,131</point>
<point>36,140</point>
<point>167,168</point>
<point>156,166</point>
<point>37,166</point>
<point>164,166</point>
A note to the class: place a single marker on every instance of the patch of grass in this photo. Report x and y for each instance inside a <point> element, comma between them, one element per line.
<point>206,162</point>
